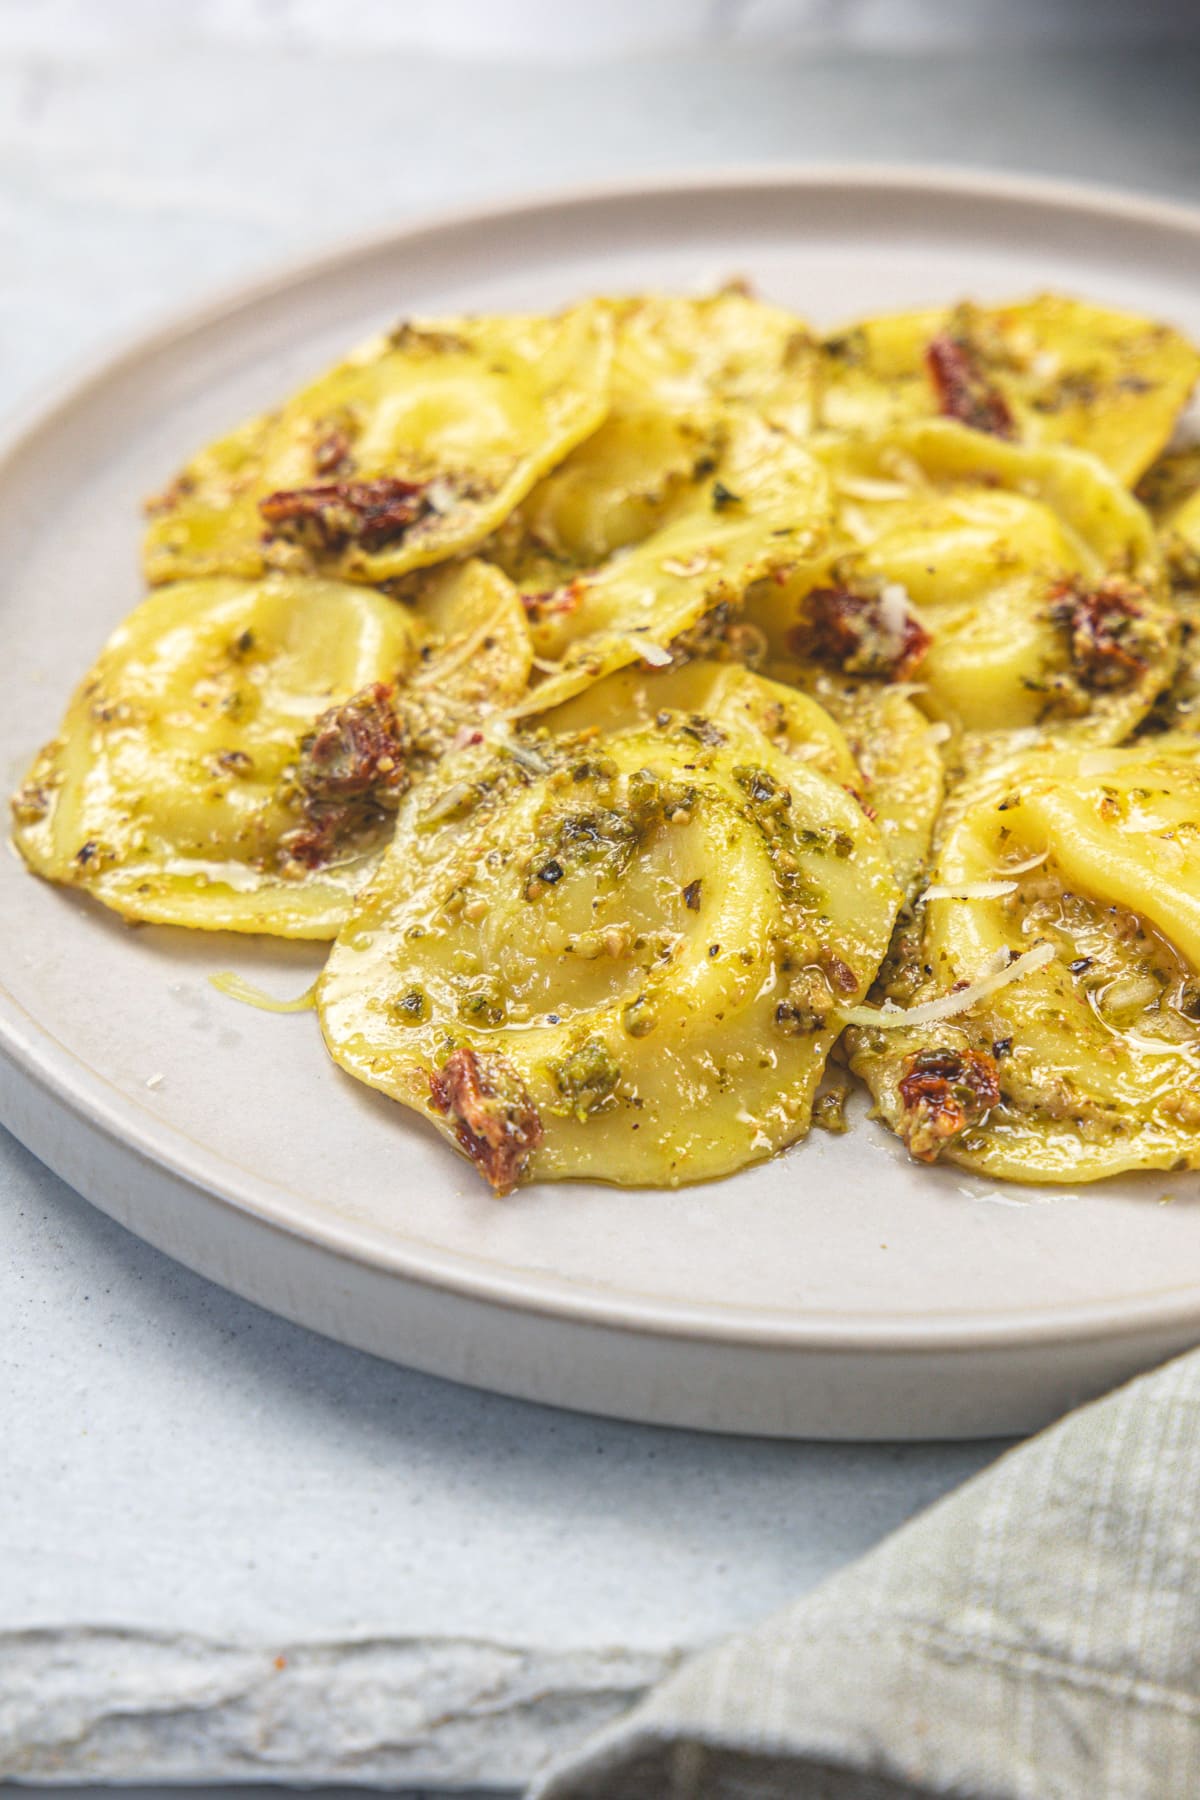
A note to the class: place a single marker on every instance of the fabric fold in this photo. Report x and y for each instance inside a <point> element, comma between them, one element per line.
<point>1033,1636</point>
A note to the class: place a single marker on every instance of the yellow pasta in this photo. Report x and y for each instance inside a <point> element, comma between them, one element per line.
<point>762,502</point>
<point>902,774</point>
<point>235,758</point>
<point>871,740</point>
<point>412,450</point>
<point>1019,588</point>
<point>1059,945</point>
<point>614,956</point>
<point>608,685</point>
<point>1050,370</point>
<point>678,367</point>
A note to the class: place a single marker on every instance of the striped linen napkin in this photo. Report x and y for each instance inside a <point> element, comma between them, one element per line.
<point>1033,1636</point>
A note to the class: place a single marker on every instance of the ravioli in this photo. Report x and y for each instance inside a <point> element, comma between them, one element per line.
<point>1171,490</point>
<point>1050,370</point>
<point>476,652</point>
<point>703,692</point>
<point>235,759</point>
<point>902,775</point>
<point>757,506</point>
<point>1019,588</point>
<point>872,741</point>
<point>613,956</point>
<point>679,365</point>
<point>412,450</point>
<point>725,349</point>
<point>1086,866</point>
<point>609,684</point>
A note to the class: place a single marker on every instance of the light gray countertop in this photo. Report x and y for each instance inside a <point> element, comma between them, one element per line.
<point>231,1550</point>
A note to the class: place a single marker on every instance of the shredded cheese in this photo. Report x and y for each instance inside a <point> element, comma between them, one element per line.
<point>868,487</point>
<point>947,1006</point>
<point>499,733</point>
<point>1023,868</point>
<point>856,524</point>
<point>657,655</point>
<point>238,988</point>
<point>692,565</point>
<point>440,496</point>
<point>905,468</point>
<point>970,890</point>
<point>939,732</point>
<point>894,609</point>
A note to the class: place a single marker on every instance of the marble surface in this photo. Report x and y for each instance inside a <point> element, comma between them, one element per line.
<point>229,1548</point>
<point>232,1551</point>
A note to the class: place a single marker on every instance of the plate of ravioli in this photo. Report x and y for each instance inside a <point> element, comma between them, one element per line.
<point>606,797</point>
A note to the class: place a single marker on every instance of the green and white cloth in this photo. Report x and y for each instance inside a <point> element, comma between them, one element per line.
<point>1034,1636</point>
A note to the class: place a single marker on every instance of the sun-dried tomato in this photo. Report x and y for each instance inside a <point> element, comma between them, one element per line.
<point>942,1092</point>
<point>962,387</point>
<point>495,1120</point>
<point>851,632</point>
<point>352,771</point>
<point>554,602</point>
<point>327,517</point>
<point>1103,639</point>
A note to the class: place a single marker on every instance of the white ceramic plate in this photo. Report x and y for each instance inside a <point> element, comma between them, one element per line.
<point>837,1291</point>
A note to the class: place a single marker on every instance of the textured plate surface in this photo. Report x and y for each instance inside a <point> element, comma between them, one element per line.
<point>837,1291</point>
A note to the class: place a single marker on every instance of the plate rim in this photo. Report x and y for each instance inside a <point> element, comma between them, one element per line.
<point>79,1089</point>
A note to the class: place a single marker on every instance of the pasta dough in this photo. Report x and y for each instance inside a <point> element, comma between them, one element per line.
<point>1171,490</point>
<point>608,684</point>
<point>871,740</point>
<point>235,758</point>
<point>679,366</point>
<point>1087,863</point>
<point>900,767</point>
<point>412,450</point>
<point>1020,588</point>
<point>622,963</point>
<point>762,502</point>
<point>1050,370</point>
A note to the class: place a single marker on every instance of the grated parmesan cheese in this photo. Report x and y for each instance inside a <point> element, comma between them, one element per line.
<point>238,988</point>
<point>440,496</point>
<point>500,733</point>
<point>692,565</point>
<point>894,609</point>
<point>856,524</point>
<point>867,487</point>
<point>657,655</point>
<point>1023,868</point>
<point>970,890</point>
<point>947,1006</point>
